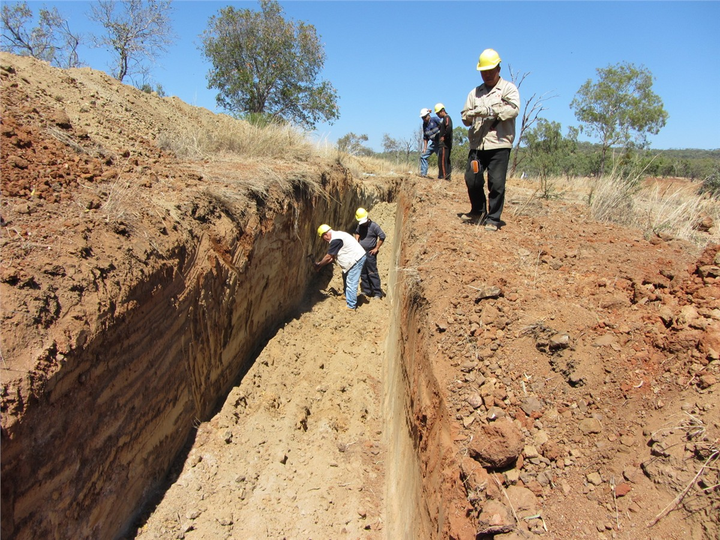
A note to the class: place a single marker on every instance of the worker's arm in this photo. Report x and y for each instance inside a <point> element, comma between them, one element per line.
<point>509,106</point>
<point>327,259</point>
<point>467,114</point>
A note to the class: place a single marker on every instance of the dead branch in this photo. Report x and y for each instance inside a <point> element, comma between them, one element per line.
<point>670,507</point>
<point>517,520</point>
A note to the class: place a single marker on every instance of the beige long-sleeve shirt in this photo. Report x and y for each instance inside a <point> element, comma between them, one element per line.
<point>482,109</point>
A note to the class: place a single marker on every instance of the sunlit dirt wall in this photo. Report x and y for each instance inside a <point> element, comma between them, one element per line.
<point>425,497</point>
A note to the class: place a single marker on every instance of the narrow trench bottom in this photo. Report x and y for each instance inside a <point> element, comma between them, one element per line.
<point>312,443</point>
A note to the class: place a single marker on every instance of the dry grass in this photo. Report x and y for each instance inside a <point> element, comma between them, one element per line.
<point>674,210</point>
<point>613,199</point>
<point>220,137</point>
<point>671,207</point>
<point>556,187</point>
<point>362,166</point>
<point>225,136</point>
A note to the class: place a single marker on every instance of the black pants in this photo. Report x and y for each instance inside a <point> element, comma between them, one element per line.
<point>495,162</point>
<point>444,164</point>
<point>369,277</point>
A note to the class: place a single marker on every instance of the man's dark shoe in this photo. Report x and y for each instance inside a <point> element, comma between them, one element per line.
<point>472,217</point>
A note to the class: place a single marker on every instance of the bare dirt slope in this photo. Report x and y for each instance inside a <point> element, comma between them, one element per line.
<point>600,345</point>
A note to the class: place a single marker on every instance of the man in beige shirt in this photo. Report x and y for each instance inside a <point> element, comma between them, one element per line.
<point>490,111</point>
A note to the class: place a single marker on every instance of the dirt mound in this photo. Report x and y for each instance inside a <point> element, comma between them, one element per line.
<point>569,368</point>
<point>597,342</point>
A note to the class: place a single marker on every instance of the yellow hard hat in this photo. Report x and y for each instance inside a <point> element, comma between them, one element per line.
<point>439,107</point>
<point>361,214</point>
<point>322,229</point>
<point>489,59</point>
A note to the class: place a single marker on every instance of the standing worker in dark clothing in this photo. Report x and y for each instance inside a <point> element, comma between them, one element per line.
<point>445,142</point>
<point>371,237</point>
<point>431,133</point>
<point>490,111</point>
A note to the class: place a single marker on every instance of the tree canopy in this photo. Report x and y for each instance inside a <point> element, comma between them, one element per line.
<point>620,108</point>
<point>265,64</point>
<point>353,144</point>
<point>137,31</point>
<point>51,40</point>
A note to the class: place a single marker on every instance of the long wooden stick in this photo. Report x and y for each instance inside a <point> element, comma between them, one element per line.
<point>670,507</point>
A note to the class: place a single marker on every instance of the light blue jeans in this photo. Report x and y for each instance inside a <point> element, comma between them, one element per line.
<point>431,149</point>
<point>351,279</point>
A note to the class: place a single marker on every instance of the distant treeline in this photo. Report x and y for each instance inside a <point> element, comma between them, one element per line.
<point>583,160</point>
<point>687,163</point>
<point>571,158</point>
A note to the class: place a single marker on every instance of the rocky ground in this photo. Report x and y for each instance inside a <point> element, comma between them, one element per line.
<point>579,360</point>
<point>600,344</point>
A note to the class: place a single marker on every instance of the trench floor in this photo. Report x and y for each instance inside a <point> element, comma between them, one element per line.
<point>297,450</point>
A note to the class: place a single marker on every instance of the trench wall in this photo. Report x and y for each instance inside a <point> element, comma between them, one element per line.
<point>99,437</point>
<point>406,511</point>
<point>425,498</point>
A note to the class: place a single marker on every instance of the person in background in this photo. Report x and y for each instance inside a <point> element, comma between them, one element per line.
<point>431,133</point>
<point>490,111</point>
<point>445,142</point>
<point>349,255</point>
<point>371,237</point>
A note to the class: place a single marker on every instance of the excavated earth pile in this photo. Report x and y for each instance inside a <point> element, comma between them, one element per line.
<point>563,375</point>
<point>174,368</point>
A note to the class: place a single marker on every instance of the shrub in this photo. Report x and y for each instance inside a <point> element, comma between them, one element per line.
<point>711,185</point>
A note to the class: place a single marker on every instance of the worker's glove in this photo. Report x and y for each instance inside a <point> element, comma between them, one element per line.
<point>483,111</point>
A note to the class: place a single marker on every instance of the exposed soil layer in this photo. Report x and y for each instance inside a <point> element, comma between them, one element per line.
<point>559,377</point>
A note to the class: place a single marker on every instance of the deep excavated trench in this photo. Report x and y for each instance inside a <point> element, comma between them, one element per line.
<point>313,442</point>
<point>89,455</point>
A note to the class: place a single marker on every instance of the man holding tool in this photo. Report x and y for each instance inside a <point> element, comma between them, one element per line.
<point>349,254</point>
<point>490,111</point>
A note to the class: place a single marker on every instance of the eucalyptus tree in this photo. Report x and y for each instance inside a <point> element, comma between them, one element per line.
<point>353,144</point>
<point>265,64</point>
<point>136,31</point>
<point>50,39</point>
<point>620,108</point>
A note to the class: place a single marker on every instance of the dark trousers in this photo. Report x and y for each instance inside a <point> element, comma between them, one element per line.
<point>444,165</point>
<point>369,277</point>
<point>495,162</point>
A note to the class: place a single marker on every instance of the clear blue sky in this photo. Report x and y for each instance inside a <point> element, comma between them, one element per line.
<point>387,60</point>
